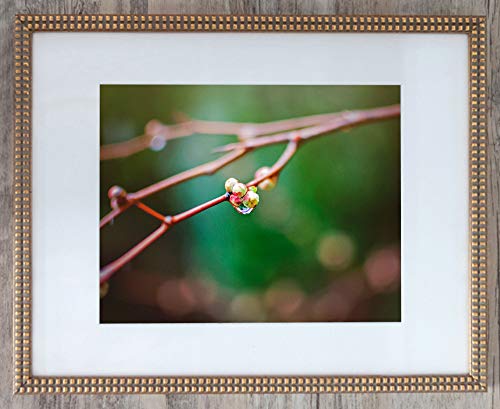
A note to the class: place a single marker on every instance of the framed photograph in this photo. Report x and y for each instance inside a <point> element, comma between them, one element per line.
<point>249,204</point>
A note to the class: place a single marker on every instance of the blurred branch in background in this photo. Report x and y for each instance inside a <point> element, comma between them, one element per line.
<point>251,136</point>
<point>157,134</point>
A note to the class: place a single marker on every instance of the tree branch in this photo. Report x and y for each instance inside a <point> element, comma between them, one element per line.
<point>206,169</point>
<point>343,121</point>
<point>114,266</point>
<point>169,221</point>
<point>333,122</point>
<point>243,130</point>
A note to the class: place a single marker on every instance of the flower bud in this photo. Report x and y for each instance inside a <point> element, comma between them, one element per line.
<point>229,184</point>
<point>103,289</point>
<point>239,189</point>
<point>251,199</point>
<point>235,200</point>
<point>269,183</point>
<point>116,192</point>
<point>253,189</point>
<point>117,196</point>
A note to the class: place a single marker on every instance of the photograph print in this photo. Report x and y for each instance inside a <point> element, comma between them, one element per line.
<point>250,203</point>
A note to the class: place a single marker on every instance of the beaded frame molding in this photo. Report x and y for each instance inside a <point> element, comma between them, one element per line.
<point>24,28</point>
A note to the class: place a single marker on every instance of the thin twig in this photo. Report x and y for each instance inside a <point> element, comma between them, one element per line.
<point>113,214</point>
<point>201,170</point>
<point>237,150</point>
<point>198,209</point>
<point>150,211</point>
<point>169,221</point>
<point>343,121</point>
<point>206,169</point>
<point>280,163</point>
<point>114,266</point>
<point>155,129</point>
<point>248,141</point>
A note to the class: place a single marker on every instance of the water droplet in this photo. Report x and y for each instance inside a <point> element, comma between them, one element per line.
<point>158,142</point>
<point>243,209</point>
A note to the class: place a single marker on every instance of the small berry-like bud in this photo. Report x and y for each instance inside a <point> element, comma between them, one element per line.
<point>116,192</point>
<point>235,200</point>
<point>253,189</point>
<point>117,196</point>
<point>239,189</point>
<point>269,183</point>
<point>103,289</point>
<point>251,199</point>
<point>230,184</point>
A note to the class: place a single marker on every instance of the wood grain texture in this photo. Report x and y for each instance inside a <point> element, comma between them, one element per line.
<point>491,8</point>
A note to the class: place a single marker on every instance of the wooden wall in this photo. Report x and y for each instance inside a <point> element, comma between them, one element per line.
<point>490,8</point>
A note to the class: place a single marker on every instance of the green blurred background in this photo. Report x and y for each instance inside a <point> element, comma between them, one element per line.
<point>324,245</point>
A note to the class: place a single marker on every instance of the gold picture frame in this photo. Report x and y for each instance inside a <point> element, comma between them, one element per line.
<point>24,28</point>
